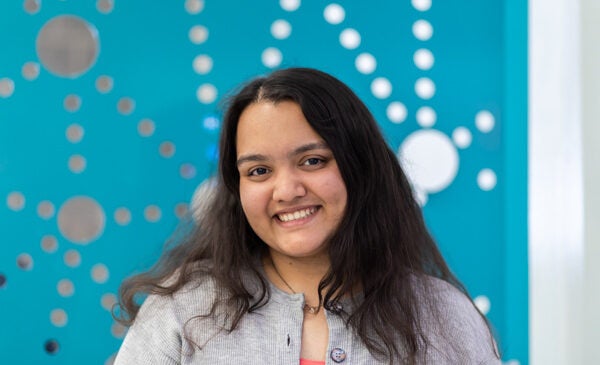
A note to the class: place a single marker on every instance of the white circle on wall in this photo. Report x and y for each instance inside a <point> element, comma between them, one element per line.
<point>422,30</point>
<point>198,34</point>
<point>30,70</point>
<point>485,121</point>
<point>381,88</point>
<point>425,88</point>
<point>421,5</point>
<point>7,87</point>
<point>194,6</point>
<point>202,64</point>
<point>423,59</point>
<point>396,112</point>
<point>486,179</point>
<point>350,38</point>
<point>74,133</point>
<point>289,5</point>
<point>206,93</point>
<point>462,137</point>
<point>365,63</point>
<point>58,317</point>
<point>271,57</point>
<point>81,219</point>
<point>15,201</point>
<point>426,117</point>
<point>45,209</point>
<point>67,45</point>
<point>483,304</point>
<point>334,14</point>
<point>281,29</point>
<point>100,273</point>
<point>430,160</point>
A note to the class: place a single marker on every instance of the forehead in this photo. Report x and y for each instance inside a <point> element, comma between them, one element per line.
<point>278,125</point>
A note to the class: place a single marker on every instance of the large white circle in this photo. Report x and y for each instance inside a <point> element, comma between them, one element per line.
<point>350,38</point>
<point>423,59</point>
<point>281,29</point>
<point>429,159</point>
<point>425,88</point>
<point>81,219</point>
<point>396,112</point>
<point>381,88</point>
<point>334,14</point>
<point>365,63</point>
<point>485,121</point>
<point>271,57</point>
<point>426,117</point>
<point>422,30</point>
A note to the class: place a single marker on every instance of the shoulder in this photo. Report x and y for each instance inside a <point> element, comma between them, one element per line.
<point>158,334</point>
<point>455,330</point>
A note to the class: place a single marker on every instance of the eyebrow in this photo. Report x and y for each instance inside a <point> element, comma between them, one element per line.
<point>301,149</point>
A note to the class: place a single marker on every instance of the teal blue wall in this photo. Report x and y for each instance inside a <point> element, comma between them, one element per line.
<point>479,50</point>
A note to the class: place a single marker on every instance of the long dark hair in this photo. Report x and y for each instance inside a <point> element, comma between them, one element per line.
<point>381,244</point>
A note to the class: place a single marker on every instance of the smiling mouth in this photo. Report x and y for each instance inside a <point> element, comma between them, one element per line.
<point>299,214</point>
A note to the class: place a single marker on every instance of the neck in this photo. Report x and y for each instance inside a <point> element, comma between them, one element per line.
<point>299,275</point>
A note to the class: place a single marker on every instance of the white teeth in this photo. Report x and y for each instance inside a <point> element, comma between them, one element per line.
<point>299,214</point>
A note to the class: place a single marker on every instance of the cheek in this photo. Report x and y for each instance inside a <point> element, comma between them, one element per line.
<point>253,201</point>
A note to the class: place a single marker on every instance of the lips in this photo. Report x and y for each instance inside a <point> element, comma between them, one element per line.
<point>296,215</point>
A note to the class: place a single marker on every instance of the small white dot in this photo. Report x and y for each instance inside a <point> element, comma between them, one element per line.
<point>426,117</point>
<point>422,30</point>
<point>72,258</point>
<point>100,273</point>
<point>108,300</point>
<point>365,63</point>
<point>30,71</point>
<point>483,304</point>
<point>105,6</point>
<point>423,59</point>
<point>202,64</point>
<point>485,121</point>
<point>289,5</point>
<point>32,6</point>
<point>7,87</point>
<point>58,317</point>
<point>421,5</point>
<point>211,123</point>
<point>166,149</point>
<point>187,171</point>
<point>74,133</point>
<point>396,112</point>
<point>350,38</point>
<point>72,103</point>
<point>15,201</point>
<point>486,179</point>
<point>65,288</point>
<point>77,164</point>
<point>381,88</point>
<point>152,213</point>
<point>122,216</point>
<point>271,57</point>
<point>281,29</point>
<point>194,6</point>
<point>206,93</point>
<point>126,106</point>
<point>45,209</point>
<point>49,244</point>
<point>198,34</point>
<point>462,137</point>
<point>425,88</point>
<point>334,14</point>
<point>146,127</point>
<point>104,84</point>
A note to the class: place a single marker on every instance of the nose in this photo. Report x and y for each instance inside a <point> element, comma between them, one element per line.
<point>288,186</point>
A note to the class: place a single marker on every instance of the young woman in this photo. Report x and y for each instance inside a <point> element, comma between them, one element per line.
<point>311,250</point>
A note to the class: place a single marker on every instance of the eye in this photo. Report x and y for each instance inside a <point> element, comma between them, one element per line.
<point>313,161</point>
<point>258,171</point>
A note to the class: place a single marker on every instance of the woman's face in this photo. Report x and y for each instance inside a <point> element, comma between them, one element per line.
<point>291,189</point>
